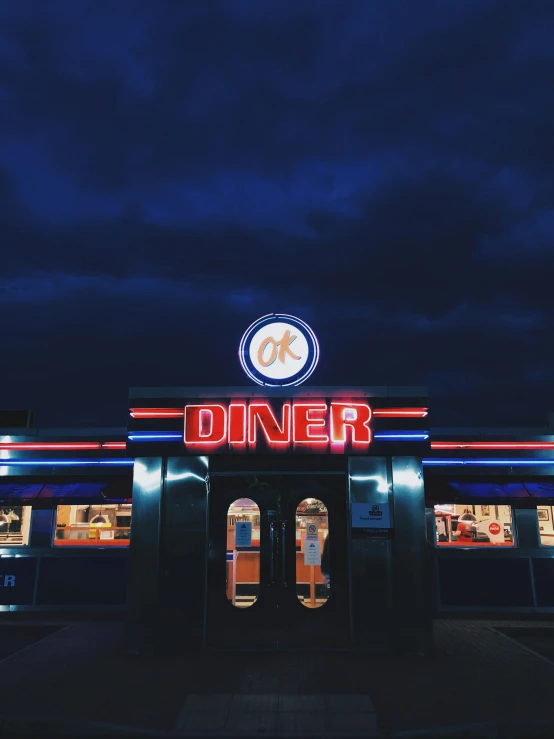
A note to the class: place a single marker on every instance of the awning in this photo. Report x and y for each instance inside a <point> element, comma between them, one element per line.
<point>450,490</point>
<point>116,490</point>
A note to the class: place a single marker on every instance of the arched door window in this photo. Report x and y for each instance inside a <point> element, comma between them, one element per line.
<point>312,553</point>
<point>243,553</point>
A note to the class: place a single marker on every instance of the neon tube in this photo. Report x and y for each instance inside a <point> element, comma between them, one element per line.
<point>35,446</point>
<point>492,445</point>
<point>65,462</point>
<point>155,436</point>
<point>400,412</point>
<point>487,462</point>
<point>156,412</point>
<point>401,435</point>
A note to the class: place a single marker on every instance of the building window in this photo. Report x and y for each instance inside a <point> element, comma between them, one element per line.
<point>15,525</point>
<point>95,525</point>
<point>243,553</point>
<point>474,525</point>
<point>546,525</point>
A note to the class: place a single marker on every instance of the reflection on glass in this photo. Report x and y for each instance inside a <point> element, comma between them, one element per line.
<point>312,553</point>
<point>546,525</point>
<point>243,553</point>
<point>15,523</point>
<point>473,525</point>
<point>100,525</point>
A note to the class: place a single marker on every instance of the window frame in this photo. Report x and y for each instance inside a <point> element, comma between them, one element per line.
<point>8,545</point>
<point>450,546</point>
<point>550,506</point>
<point>101,542</point>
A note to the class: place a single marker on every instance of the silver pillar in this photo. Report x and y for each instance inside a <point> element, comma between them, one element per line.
<point>183,553</point>
<point>412,622</point>
<point>142,593</point>
<point>370,597</point>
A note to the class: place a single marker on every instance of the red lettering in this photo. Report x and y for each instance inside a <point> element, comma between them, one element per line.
<point>205,424</point>
<point>262,414</point>
<point>354,415</point>
<point>304,419</point>
<point>237,423</point>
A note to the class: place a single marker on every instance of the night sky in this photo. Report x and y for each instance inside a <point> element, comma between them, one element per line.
<point>171,171</point>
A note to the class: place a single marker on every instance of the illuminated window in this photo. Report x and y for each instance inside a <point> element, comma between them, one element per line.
<point>474,525</point>
<point>15,524</point>
<point>312,553</point>
<point>243,553</point>
<point>96,525</point>
<point>546,525</point>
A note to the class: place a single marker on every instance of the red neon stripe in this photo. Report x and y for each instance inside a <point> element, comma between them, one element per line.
<point>400,412</point>
<point>157,412</point>
<point>492,445</point>
<point>36,446</point>
<point>60,445</point>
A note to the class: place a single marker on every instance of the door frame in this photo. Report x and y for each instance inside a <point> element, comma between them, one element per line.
<point>223,473</point>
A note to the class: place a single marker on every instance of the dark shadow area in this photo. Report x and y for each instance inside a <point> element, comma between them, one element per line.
<point>538,638</point>
<point>14,637</point>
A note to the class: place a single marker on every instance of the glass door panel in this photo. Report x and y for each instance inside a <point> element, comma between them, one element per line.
<point>312,553</point>
<point>272,582</point>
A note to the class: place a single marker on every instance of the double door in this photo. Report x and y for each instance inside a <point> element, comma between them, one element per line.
<point>278,562</point>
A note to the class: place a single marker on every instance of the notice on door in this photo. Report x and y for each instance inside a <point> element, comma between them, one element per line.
<point>311,530</point>
<point>312,553</point>
<point>243,534</point>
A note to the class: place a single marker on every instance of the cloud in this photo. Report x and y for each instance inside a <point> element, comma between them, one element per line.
<point>382,169</point>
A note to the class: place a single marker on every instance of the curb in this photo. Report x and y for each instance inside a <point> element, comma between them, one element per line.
<point>484,730</point>
<point>53,727</point>
<point>45,727</point>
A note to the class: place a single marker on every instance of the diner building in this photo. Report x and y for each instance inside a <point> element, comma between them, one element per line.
<point>277,516</point>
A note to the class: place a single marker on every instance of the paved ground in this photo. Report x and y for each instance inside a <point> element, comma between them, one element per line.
<point>78,673</point>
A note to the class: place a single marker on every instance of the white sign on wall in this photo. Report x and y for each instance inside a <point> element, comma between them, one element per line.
<point>371,515</point>
<point>311,531</point>
<point>279,350</point>
<point>312,554</point>
<point>243,534</point>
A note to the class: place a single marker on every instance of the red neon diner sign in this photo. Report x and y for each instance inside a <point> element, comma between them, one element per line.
<point>278,426</point>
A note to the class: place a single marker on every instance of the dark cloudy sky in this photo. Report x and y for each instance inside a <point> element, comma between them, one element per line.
<point>170,171</point>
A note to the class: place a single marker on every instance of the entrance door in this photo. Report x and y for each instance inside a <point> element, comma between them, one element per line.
<point>267,585</point>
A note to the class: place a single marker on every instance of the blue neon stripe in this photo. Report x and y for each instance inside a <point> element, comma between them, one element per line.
<point>404,435</point>
<point>487,462</point>
<point>65,462</point>
<point>155,436</point>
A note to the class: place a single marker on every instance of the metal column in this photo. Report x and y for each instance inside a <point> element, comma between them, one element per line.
<point>370,598</point>
<point>142,593</point>
<point>412,621</point>
<point>183,554</point>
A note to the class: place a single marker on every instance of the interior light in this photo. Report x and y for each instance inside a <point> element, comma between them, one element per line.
<point>468,516</point>
<point>99,520</point>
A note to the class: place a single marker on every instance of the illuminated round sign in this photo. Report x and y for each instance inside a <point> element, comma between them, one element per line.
<point>279,350</point>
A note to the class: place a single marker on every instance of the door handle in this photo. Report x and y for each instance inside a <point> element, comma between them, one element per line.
<point>272,540</point>
<point>284,553</point>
